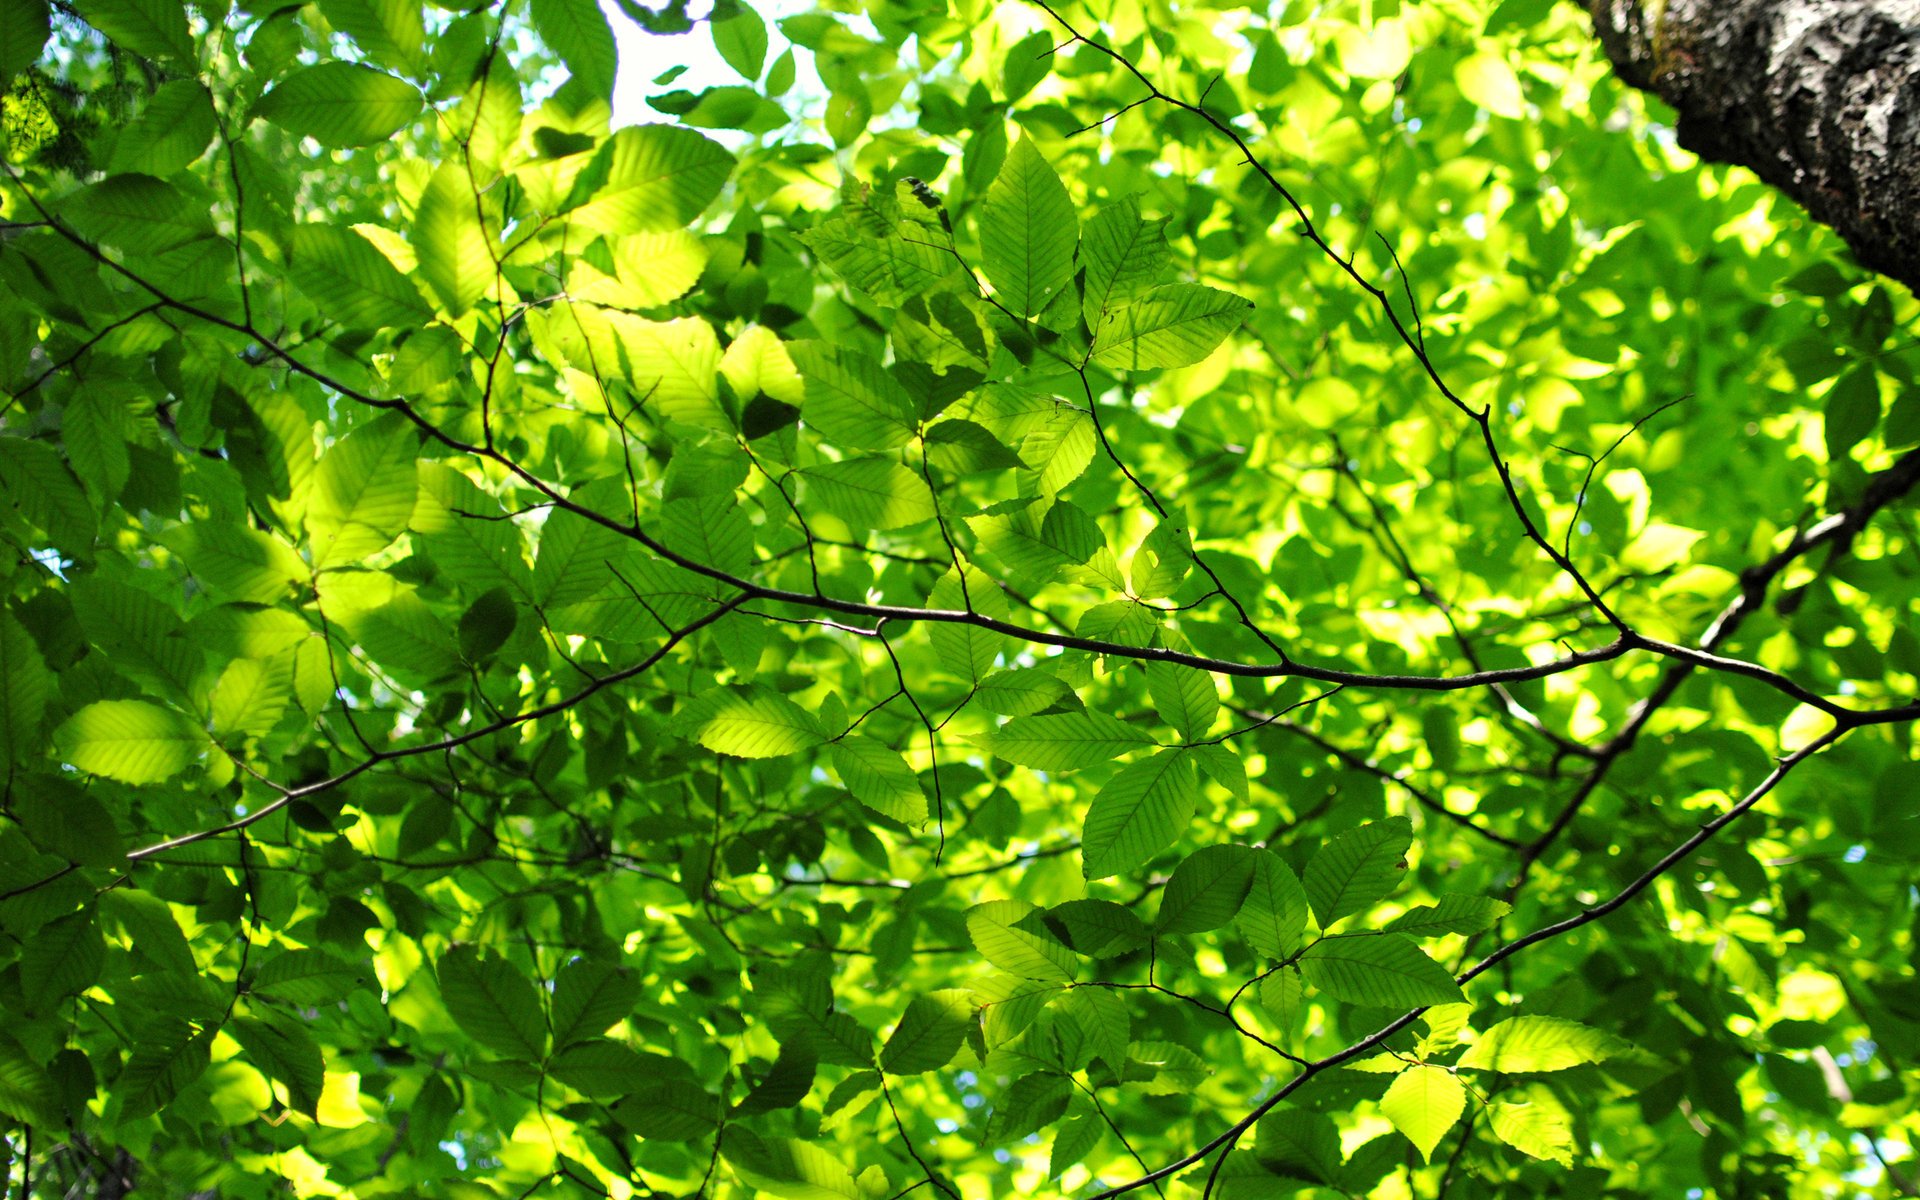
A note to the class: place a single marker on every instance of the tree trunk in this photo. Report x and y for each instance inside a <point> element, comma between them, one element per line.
<point>1820,97</point>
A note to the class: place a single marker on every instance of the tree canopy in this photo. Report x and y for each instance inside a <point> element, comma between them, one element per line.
<point>1159,599</point>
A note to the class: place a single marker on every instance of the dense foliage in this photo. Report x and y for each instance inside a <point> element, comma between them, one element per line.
<point>1030,602</point>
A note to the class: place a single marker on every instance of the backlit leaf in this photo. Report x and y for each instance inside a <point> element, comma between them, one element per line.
<point>1385,970</point>
<point>341,104</point>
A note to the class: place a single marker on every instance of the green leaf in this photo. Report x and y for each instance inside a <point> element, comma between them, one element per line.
<point>150,28</point>
<point>880,778</point>
<point>392,32</point>
<point>61,960</point>
<point>168,1054</point>
<point>787,1168</point>
<point>1028,232</point>
<point>578,32</point>
<point>142,634</point>
<point>1539,1129</point>
<point>1076,1139</point>
<point>469,538</point>
<point>350,281</point>
<point>247,565</point>
<point>1026,64</point>
<point>23,31</point>
<point>27,1092</point>
<point>740,36</point>
<point>1064,741</point>
<point>1163,561</point>
<point>963,447</point>
<point>171,131</point>
<point>487,624</point>
<point>1035,540</point>
<point>64,820</point>
<point>408,638</point>
<point>1852,410</point>
<point>1138,813</point>
<point>286,1052</point>
<point>1299,1144</point>
<point>883,263</point>
<point>493,1002</point>
<point>649,178</point>
<point>575,560</point>
<point>1101,1015</point>
<point>363,493</point>
<point>456,255</point>
<point>752,722</point>
<point>589,997</point>
<point>1450,914</point>
<point>851,399</point>
<point>797,1004</point>
<point>1423,1103</point>
<point>967,650</point>
<point>1172,326</point>
<point>1020,692</point>
<point>129,740</point>
<point>929,1033</point>
<point>151,929</point>
<point>1488,80</point>
<point>601,1068</point>
<point>310,977</point>
<point>1207,889</point>
<point>1184,697</point>
<point>1523,1044</point>
<point>24,687</point>
<point>1097,928</point>
<point>1224,767</point>
<point>992,926</point>
<point>1125,256</point>
<point>1274,916</point>
<point>1359,867</point>
<point>37,483</point>
<point>138,214</point>
<point>1165,1069</point>
<point>1385,970</point>
<point>785,1084</point>
<point>96,427</point>
<point>341,104</point>
<point>870,493</point>
<point>1033,1102</point>
<point>250,695</point>
<point>669,1111</point>
<point>1282,996</point>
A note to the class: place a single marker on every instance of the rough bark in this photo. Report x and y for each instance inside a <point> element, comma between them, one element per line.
<point>1821,98</point>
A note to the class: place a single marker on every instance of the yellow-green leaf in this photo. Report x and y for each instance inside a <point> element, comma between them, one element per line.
<point>1423,1103</point>
<point>879,778</point>
<point>363,493</point>
<point>129,740</point>
<point>752,722</point>
<point>341,104</point>
<point>1522,1044</point>
<point>1018,951</point>
<point>456,256</point>
<point>871,493</point>
<point>1172,326</point>
<point>1487,79</point>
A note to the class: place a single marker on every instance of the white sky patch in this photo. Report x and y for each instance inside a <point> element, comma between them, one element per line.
<point>645,57</point>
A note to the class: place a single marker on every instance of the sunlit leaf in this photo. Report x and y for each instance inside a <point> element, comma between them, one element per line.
<point>341,104</point>
<point>1385,970</point>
